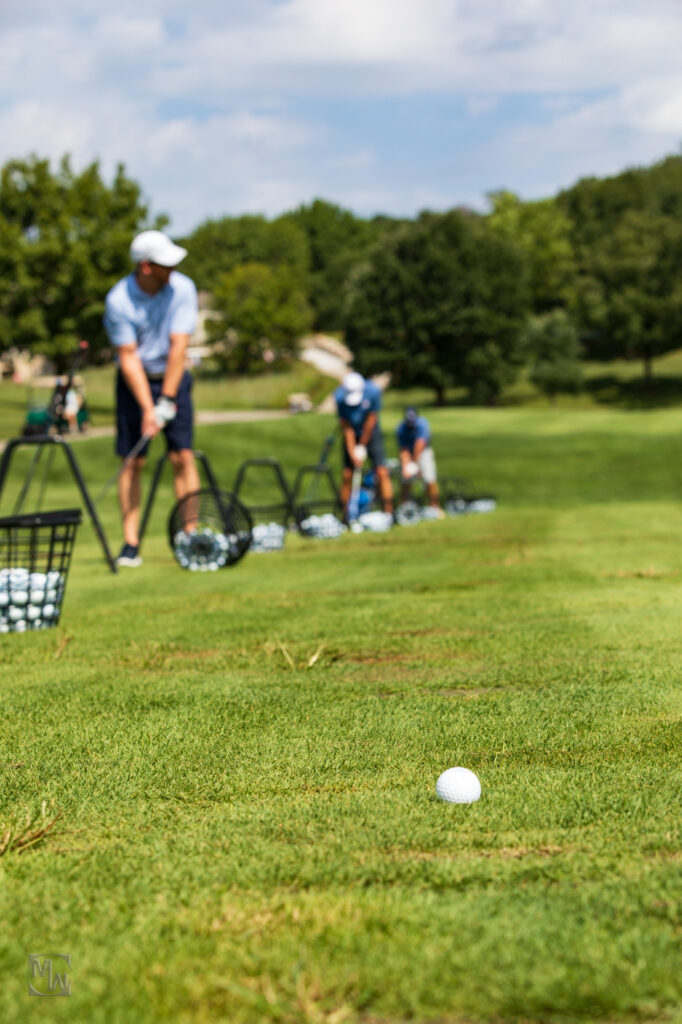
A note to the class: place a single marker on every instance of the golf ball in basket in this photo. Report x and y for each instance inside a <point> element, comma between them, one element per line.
<point>458,786</point>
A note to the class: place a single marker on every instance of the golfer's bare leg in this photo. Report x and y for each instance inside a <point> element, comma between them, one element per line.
<point>129,498</point>
<point>185,481</point>
<point>185,472</point>
<point>434,496</point>
<point>346,485</point>
<point>385,488</point>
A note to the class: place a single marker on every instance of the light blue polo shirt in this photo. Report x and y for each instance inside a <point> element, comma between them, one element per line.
<point>356,415</point>
<point>134,317</point>
<point>408,434</point>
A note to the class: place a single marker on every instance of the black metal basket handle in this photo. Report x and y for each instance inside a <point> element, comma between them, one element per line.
<point>275,466</point>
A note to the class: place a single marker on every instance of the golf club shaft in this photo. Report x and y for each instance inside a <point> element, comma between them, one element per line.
<point>126,462</point>
<point>354,500</point>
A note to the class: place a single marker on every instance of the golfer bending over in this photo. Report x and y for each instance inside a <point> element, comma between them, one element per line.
<point>358,402</point>
<point>416,456</point>
<point>149,318</point>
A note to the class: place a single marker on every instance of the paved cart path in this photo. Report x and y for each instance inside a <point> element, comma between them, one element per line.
<point>202,418</point>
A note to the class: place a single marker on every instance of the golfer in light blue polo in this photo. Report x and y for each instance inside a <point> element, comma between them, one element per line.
<point>150,317</point>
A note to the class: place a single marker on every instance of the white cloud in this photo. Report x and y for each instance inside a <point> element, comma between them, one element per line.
<point>209,104</point>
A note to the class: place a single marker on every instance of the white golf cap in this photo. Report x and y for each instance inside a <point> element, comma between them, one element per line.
<point>157,248</point>
<point>353,385</point>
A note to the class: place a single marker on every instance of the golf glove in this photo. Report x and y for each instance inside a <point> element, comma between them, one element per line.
<point>360,452</point>
<point>411,470</point>
<point>165,410</point>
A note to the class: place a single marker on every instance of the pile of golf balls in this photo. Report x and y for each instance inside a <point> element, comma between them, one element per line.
<point>455,507</point>
<point>324,526</point>
<point>267,537</point>
<point>461,507</point>
<point>29,600</point>
<point>409,513</point>
<point>376,522</point>
<point>205,549</point>
<point>482,505</point>
<point>458,786</point>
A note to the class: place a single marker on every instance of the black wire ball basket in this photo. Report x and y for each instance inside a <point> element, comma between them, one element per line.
<point>209,529</point>
<point>35,555</point>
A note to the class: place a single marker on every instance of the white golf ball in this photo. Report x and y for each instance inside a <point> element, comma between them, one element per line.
<point>19,597</point>
<point>458,786</point>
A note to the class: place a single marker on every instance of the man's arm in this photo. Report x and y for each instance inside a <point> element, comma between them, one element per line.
<point>175,364</point>
<point>136,379</point>
<point>348,438</point>
<point>367,428</point>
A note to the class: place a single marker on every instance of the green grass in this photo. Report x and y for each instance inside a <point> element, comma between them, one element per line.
<point>245,761</point>
<point>270,391</point>
<point>618,384</point>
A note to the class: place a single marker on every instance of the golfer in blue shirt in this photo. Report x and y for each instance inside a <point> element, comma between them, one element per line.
<point>358,402</point>
<point>150,317</point>
<point>416,456</point>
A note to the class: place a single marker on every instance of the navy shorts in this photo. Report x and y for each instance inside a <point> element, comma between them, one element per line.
<point>179,432</point>
<point>375,451</point>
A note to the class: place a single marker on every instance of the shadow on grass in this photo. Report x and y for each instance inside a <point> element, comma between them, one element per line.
<point>638,393</point>
<point>605,389</point>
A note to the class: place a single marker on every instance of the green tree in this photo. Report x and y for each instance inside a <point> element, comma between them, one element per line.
<point>542,231</point>
<point>553,350</point>
<point>629,291</point>
<point>627,239</point>
<point>64,240</point>
<point>440,303</point>
<point>261,314</point>
<point>217,247</point>
<point>338,241</point>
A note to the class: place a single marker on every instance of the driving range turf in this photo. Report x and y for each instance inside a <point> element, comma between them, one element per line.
<point>245,761</point>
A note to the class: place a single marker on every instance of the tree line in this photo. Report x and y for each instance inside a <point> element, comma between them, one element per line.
<point>440,300</point>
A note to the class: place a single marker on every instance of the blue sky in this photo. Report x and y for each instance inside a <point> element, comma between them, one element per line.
<point>384,106</point>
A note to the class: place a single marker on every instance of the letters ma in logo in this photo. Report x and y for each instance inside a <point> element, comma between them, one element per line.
<point>44,977</point>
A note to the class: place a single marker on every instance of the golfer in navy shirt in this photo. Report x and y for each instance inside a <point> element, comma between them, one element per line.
<point>358,402</point>
<point>416,455</point>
